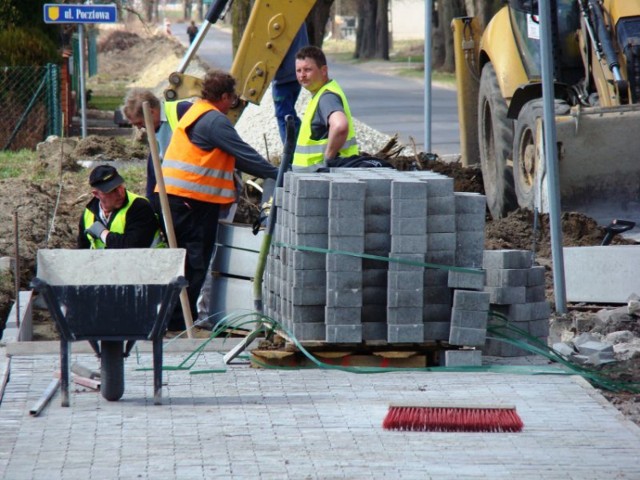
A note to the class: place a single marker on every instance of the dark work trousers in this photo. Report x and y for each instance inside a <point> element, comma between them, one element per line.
<point>285,96</point>
<point>195,224</point>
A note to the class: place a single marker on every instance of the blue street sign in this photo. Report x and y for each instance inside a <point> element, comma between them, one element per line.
<point>60,13</point>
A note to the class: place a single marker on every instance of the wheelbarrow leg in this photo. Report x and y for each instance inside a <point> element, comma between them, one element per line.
<point>157,371</point>
<point>64,372</point>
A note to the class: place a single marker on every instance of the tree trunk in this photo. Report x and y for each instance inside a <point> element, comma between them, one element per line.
<point>148,10</point>
<point>372,34</point>
<point>317,21</point>
<point>450,10</point>
<point>200,10</point>
<point>240,11</point>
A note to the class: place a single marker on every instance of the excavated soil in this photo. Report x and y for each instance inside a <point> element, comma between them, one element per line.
<point>48,211</point>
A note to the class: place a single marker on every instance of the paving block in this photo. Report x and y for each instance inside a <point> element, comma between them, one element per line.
<point>377,224</point>
<point>516,312</point>
<point>405,333</point>
<point>436,312</point>
<point>405,297</point>
<point>305,313</point>
<point>404,315</point>
<point>347,189</point>
<point>469,318</point>
<point>374,330</point>
<point>408,188</point>
<point>468,202</point>
<point>403,280</point>
<point>309,331</point>
<point>461,358</point>
<point>405,208</point>
<point>344,280</point>
<point>540,309</point>
<point>374,296</point>
<point>535,276</point>
<point>443,205</point>
<point>441,223</point>
<point>377,242</point>
<point>506,295</point>
<point>309,278</point>
<point>495,259</point>
<point>536,294</point>
<point>406,262</point>
<point>510,277</point>
<point>435,277</point>
<point>469,222</point>
<point>345,298</point>
<point>343,263</point>
<point>439,295</point>
<point>434,331</point>
<point>309,206</point>
<point>312,186</point>
<point>343,333</point>
<point>374,278</point>
<point>346,208</point>
<point>315,240</point>
<point>408,244</point>
<point>311,224</point>
<point>407,226</point>
<point>470,300</point>
<point>308,295</point>
<point>343,315</point>
<point>374,313</point>
<point>307,260</point>
<point>467,336</point>
<point>346,227</point>
<point>466,280</point>
<point>377,205</point>
<point>539,327</point>
<point>441,241</point>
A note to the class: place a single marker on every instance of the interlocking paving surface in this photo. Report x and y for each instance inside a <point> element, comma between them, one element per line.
<point>249,423</point>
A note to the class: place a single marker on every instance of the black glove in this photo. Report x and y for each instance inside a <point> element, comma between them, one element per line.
<point>96,230</point>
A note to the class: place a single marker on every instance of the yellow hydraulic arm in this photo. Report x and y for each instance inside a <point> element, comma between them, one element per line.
<point>271,28</point>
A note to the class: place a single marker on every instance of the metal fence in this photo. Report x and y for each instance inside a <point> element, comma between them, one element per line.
<point>30,105</point>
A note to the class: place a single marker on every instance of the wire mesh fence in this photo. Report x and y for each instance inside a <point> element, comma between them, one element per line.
<point>30,103</point>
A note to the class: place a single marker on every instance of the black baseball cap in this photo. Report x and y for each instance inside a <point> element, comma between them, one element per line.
<point>105,178</point>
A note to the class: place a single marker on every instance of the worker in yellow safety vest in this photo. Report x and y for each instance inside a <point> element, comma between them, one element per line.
<point>165,117</point>
<point>327,130</point>
<point>115,217</point>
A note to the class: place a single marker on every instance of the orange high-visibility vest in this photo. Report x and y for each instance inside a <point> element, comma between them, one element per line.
<point>191,172</point>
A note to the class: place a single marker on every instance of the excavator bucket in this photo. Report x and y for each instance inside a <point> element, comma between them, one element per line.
<point>598,162</point>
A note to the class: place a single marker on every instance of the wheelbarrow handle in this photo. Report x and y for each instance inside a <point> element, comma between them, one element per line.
<point>616,227</point>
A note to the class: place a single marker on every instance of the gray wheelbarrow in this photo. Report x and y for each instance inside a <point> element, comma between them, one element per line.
<point>109,297</point>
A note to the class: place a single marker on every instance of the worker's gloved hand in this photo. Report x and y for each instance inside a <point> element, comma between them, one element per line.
<point>95,230</point>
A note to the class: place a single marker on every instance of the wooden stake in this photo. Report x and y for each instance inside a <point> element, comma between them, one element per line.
<point>166,211</point>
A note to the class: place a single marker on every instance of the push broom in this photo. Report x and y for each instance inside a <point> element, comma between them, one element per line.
<point>447,418</point>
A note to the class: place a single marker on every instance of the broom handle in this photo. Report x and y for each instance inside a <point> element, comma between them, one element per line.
<point>166,211</point>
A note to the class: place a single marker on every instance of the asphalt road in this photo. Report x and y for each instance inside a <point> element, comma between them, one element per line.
<point>390,104</point>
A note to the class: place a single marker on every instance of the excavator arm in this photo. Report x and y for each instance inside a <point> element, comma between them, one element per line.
<point>271,28</point>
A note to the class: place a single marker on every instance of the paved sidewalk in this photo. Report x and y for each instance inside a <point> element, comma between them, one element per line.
<point>303,424</point>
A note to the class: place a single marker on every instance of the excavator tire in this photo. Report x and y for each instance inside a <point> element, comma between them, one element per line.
<point>525,158</point>
<point>495,141</point>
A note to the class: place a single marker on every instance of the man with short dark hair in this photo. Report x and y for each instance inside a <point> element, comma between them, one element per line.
<point>198,172</point>
<point>327,130</point>
<point>116,217</point>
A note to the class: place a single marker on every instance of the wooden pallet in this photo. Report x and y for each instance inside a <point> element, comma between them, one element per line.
<point>388,359</point>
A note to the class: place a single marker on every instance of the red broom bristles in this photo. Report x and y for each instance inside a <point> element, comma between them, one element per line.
<point>452,419</point>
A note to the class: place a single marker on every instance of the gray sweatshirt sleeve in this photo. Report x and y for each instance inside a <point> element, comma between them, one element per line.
<point>214,130</point>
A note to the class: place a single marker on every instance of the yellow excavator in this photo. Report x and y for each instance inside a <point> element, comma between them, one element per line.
<point>596,57</point>
<point>271,28</point>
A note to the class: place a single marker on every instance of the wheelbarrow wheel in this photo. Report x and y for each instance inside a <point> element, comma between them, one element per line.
<point>112,370</point>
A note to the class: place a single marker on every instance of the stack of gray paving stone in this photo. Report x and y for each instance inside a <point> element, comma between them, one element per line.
<point>405,297</point>
<point>344,273</point>
<point>516,290</point>
<point>411,217</point>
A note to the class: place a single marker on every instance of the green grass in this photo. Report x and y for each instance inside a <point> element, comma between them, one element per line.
<point>19,164</point>
<point>105,102</point>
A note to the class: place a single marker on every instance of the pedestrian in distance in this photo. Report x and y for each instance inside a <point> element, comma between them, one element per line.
<point>165,119</point>
<point>326,132</point>
<point>285,88</point>
<point>116,217</point>
<point>198,171</point>
<point>192,31</point>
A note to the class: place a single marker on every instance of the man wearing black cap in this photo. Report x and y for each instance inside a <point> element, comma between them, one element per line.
<point>115,217</point>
